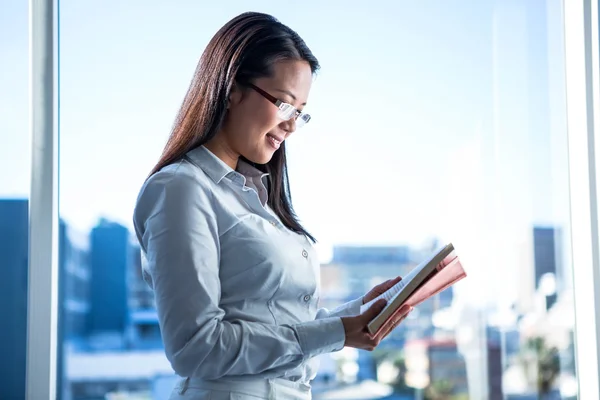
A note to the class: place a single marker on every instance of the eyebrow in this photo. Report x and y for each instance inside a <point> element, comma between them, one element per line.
<point>288,93</point>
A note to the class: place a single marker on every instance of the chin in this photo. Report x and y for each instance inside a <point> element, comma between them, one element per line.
<point>260,158</point>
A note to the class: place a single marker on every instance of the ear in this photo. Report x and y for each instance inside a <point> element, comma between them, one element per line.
<point>235,96</point>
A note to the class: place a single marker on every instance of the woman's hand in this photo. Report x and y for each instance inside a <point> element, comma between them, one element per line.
<point>358,336</point>
<point>380,289</point>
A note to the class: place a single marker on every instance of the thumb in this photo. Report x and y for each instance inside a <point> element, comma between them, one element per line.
<point>374,310</point>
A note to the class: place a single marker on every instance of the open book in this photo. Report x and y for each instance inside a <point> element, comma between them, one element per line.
<point>437,272</point>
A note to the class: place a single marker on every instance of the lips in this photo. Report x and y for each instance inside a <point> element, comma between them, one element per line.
<point>275,140</point>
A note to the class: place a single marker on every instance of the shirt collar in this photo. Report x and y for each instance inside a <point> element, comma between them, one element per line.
<point>250,171</point>
<point>217,169</point>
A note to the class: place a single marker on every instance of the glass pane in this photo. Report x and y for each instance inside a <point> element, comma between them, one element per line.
<point>452,129</point>
<point>15,158</point>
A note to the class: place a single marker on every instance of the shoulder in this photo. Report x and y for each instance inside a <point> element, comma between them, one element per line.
<point>176,186</point>
<point>179,175</point>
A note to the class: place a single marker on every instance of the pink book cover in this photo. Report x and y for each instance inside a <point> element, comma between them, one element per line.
<point>449,271</point>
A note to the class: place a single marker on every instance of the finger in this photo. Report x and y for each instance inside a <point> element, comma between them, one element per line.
<point>383,285</point>
<point>373,311</point>
<point>405,310</point>
<point>393,323</point>
<point>391,282</point>
<point>369,340</point>
<point>390,328</point>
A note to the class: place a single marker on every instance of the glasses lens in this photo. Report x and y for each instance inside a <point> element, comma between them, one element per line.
<point>286,111</point>
<point>302,120</point>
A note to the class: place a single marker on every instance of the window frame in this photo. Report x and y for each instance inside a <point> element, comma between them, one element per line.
<point>42,304</point>
<point>583,115</point>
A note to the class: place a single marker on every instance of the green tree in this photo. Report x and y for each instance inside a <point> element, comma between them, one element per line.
<point>440,390</point>
<point>541,363</point>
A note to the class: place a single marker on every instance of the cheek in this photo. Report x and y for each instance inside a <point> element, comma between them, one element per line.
<point>262,120</point>
<point>250,122</point>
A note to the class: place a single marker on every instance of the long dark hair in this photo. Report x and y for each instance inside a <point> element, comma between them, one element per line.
<point>243,50</point>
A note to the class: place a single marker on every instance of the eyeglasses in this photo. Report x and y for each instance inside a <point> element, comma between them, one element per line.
<point>286,110</point>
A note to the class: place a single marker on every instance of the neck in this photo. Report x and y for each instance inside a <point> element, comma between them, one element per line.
<point>222,150</point>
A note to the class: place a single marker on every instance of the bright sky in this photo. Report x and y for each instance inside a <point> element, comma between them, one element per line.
<point>430,118</point>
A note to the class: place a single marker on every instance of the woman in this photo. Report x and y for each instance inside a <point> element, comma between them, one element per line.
<point>235,276</point>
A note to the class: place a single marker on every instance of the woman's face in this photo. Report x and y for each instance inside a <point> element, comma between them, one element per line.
<point>253,127</point>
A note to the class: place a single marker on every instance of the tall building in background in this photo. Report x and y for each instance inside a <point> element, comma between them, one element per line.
<point>73,299</point>
<point>73,296</point>
<point>74,283</point>
<point>542,277</point>
<point>545,268</point>
<point>14,244</point>
<point>109,263</point>
<point>544,252</point>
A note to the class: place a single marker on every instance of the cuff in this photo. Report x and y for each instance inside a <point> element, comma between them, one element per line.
<point>352,308</point>
<point>321,336</point>
<point>349,309</point>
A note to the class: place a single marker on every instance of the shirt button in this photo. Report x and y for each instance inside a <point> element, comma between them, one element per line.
<point>307,297</point>
<point>304,253</point>
<point>273,223</point>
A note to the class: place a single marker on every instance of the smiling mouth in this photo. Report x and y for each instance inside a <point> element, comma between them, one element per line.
<point>274,140</point>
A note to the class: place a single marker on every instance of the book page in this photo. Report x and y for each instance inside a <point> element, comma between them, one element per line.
<point>393,291</point>
<point>388,295</point>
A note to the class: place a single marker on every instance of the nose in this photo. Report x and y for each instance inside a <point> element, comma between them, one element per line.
<point>288,126</point>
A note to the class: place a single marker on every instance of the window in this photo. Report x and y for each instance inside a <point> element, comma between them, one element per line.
<point>467,142</point>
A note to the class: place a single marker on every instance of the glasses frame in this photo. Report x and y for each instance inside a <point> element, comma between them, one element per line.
<point>286,110</point>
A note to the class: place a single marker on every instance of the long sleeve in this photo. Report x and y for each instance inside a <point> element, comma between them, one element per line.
<point>178,231</point>
<point>349,309</point>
